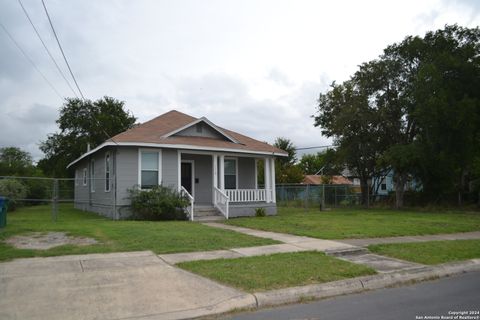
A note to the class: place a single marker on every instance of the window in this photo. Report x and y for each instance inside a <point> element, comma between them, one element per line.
<point>149,169</point>
<point>383,185</point>
<point>230,174</point>
<point>199,127</point>
<point>84,176</point>
<point>92,175</point>
<point>107,172</point>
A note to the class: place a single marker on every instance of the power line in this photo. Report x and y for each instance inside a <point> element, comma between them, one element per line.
<point>317,147</point>
<point>61,50</point>
<point>46,48</point>
<point>31,61</point>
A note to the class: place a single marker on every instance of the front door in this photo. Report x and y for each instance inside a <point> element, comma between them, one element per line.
<point>187,176</point>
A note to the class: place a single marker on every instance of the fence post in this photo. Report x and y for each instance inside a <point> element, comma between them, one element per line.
<point>335,190</point>
<point>55,200</point>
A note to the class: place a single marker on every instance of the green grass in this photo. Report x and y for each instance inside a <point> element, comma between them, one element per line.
<point>356,223</point>
<point>431,252</point>
<point>276,271</point>
<point>115,236</point>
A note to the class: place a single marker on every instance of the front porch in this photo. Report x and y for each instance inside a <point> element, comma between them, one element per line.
<point>226,182</point>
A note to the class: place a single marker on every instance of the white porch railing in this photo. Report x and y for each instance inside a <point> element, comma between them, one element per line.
<point>221,201</point>
<point>185,193</point>
<point>248,195</point>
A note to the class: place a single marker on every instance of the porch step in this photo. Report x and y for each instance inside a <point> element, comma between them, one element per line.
<point>202,211</point>
<point>207,213</point>
<point>208,218</point>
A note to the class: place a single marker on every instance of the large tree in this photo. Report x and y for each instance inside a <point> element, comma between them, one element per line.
<point>82,123</point>
<point>345,114</point>
<point>414,110</point>
<point>15,162</point>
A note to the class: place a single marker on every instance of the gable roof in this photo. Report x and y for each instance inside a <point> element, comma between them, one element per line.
<point>160,132</point>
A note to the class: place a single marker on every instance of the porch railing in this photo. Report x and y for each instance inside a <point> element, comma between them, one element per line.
<point>247,195</point>
<point>221,201</point>
<point>185,193</point>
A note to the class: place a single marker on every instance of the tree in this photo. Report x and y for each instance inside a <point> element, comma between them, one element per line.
<point>287,145</point>
<point>15,162</point>
<point>414,110</point>
<point>82,123</point>
<point>345,114</point>
<point>321,162</point>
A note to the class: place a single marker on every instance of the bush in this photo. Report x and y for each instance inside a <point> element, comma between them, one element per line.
<point>260,212</point>
<point>13,190</point>
<point>158,203</point>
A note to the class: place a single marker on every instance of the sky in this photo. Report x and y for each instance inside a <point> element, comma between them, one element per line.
<point>255,67</point>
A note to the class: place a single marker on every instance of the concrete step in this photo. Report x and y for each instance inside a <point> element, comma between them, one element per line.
<point>208,218</point>
<point>206,211</point>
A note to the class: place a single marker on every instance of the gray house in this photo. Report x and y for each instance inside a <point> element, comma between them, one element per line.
<point>214,167</point>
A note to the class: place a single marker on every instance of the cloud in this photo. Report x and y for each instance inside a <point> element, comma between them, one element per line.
<point>256,67</point>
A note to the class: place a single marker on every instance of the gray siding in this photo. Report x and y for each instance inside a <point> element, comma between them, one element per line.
<point>207,132</point>
<point>99,200</point>
<point>203,172</point>
<point>170,168</point>
<point>246,173</point>
<point>127,172</point>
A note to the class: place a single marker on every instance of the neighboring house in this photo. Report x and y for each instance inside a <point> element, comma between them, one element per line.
<point>382,186</point>
<point>315,179</point>
<point>216,167</point>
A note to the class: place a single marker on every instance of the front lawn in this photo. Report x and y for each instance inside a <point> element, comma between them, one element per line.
<point>277,271</point>
<point>116,236</point>
<point>356,223</point>
<point>431,252</point>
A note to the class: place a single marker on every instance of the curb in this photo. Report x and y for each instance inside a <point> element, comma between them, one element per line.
<point>355,285</point>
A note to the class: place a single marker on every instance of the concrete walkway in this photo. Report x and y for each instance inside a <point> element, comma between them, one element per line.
<point>291,243</point>
<point>110,286</point>
<point>451,236</point>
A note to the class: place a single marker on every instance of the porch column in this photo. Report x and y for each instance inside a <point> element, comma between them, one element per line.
<point>179,172</point>
<point>272,176</point>
<point>222,172</point>
<point>267,173</point>
<point>214,175</point>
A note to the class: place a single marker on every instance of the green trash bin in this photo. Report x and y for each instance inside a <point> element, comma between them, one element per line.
<point>3,211</point>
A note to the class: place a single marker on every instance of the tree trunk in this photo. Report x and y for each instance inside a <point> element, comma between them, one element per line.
<point>399,190</point>
<point>460,188</point>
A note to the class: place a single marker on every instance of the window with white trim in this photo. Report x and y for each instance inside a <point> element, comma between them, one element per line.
<point>149,169</point>
<point>84,176</point>
<point>107,172</point>
<point>230,173</point>
<point>92,175</point>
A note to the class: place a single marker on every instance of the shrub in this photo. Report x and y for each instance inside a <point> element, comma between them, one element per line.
<point>260,212</point>
<point>13,190</point>
<point>158,203</point>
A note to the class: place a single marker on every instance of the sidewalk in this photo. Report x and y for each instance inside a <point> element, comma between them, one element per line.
<point>450,236</point>
<point>291,243</point>
<point>130,285</point>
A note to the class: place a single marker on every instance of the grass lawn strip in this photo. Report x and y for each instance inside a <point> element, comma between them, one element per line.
<point>261,273</point>
<point>117,236</point>
<point>431,252</point>
<point>358,223</point>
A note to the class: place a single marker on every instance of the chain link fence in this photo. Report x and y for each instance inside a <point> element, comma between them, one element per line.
<point>32,191</point>
<point>324,196</point>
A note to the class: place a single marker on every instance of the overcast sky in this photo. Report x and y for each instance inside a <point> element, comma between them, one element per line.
<point>255,67</point>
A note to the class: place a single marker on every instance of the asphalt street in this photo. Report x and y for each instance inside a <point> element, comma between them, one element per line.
<point>426,300</point>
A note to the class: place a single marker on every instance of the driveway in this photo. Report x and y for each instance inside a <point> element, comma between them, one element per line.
<point>109,286</point>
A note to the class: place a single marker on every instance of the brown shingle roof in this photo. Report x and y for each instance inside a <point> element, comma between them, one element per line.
<point>153,131</point>
<point>317,179</point>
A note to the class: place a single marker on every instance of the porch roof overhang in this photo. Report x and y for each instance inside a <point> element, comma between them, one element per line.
<point>237,148</point>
